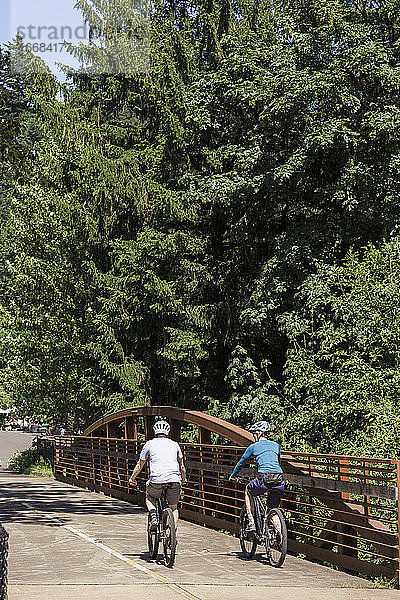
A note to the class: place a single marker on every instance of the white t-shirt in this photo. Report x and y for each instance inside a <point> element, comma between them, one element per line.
<point>163,455</point>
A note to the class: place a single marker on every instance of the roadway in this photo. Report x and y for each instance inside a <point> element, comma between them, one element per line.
<point>71,544</point>
<point>11,442</point>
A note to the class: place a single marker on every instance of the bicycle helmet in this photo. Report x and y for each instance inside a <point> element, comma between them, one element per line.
<point>260,426</point>
<point>161,428</point>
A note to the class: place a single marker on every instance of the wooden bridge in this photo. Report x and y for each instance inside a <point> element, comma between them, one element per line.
<point>341,510</point>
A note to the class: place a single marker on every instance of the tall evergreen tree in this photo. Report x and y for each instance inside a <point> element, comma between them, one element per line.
<point>192,201</point>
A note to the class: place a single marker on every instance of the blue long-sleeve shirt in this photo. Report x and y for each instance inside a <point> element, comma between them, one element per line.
<point>267,455</point>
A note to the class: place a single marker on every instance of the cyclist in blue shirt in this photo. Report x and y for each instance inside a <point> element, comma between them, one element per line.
<point>270,475</point>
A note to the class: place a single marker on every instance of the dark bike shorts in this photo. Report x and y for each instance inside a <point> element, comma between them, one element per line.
<point>271,483</point>
<point>173,493</point>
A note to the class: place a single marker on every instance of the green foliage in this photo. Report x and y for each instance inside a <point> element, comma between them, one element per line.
<point>27,462</point>
<point>170,219</point>
<point>342,371</point>
<point>254,394</point>
<point>47,325</point>
<point>119,35</point>
<point>17,131</point>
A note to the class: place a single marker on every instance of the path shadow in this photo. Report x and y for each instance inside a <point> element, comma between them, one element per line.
<point>145,557</point>
<point>53,497</point>
<point>258,557</point>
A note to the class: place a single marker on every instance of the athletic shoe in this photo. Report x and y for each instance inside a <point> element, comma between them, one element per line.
<point>251,527</point>
<point>153,525</point>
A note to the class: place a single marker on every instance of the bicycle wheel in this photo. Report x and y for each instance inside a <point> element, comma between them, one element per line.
<point>276,542</point>
<point>153,540</point>
<point>169,537</point>
<point>248,541</point>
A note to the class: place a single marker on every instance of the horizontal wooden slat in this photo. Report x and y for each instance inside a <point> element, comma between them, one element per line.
<point>362,489</point>
<point>346,562</point>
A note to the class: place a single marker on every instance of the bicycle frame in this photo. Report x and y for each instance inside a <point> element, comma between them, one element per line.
<point>161,505</point>
<point>273,536</point>
<point>260,512</point>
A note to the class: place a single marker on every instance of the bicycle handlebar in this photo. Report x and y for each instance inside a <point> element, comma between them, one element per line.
<point>140,485</point>
<point>244,480</point>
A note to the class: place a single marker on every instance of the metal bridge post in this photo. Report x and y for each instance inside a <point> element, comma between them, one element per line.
<point>175,430</point>
<point>130,428</point>
<point>112,431</point>
<point>204,438</point>
<point>148,427</point>
<point>344,474</point>
<point>93,465</point>
<point>347,535</point>
<point>108,460</point>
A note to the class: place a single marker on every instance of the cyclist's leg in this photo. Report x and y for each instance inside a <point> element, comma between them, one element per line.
<point>173,494</point>
<point>253,488</point>
<point>174,508</point>
<point>275,495</point>
<point>151,503</point>
<point>249,501</point>
<point>274,498</point>
<point>153,493</point>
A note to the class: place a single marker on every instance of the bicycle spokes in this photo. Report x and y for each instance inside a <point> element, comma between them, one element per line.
<point>276,537</point>
<point>169,537</point>
<point>153,539</point>
<point>248,541</point>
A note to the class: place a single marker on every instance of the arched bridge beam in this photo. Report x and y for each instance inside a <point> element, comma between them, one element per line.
<point>207,424</point>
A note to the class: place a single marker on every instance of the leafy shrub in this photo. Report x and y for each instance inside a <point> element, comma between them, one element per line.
<point>342,369</point>
<point>28,462</point>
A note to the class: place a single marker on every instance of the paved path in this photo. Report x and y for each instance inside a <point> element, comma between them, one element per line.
<point>11,442</point>
<point>70,544</point>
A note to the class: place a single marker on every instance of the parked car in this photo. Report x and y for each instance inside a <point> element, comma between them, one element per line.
<point>43,429</point>
<point>10,426</point>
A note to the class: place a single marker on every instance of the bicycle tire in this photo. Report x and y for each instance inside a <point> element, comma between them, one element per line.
<point>153,541</point>
<point>169,537</point>
<point>248,543</point>
<point>276,544</point>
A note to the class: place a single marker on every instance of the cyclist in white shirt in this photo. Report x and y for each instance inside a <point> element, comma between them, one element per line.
<point>166,470</point>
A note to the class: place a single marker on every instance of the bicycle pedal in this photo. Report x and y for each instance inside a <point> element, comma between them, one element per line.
<point>250,530</point>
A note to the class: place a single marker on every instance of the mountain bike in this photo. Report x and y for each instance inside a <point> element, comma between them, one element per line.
<point>165,532</point>
<point>271,530</point>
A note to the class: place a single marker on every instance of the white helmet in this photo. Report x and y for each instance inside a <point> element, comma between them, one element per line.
<point>260,426</point>
<point>161,427</point>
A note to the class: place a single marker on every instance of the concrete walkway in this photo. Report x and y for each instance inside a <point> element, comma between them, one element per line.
<point>69,544</point>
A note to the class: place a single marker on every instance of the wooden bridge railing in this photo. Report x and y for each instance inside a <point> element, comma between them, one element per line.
<point>342,510</point>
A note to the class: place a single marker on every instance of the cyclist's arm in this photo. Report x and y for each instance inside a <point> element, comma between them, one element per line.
<point>139,466</point>
<point>246,455</point>
<point>182,469</point>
